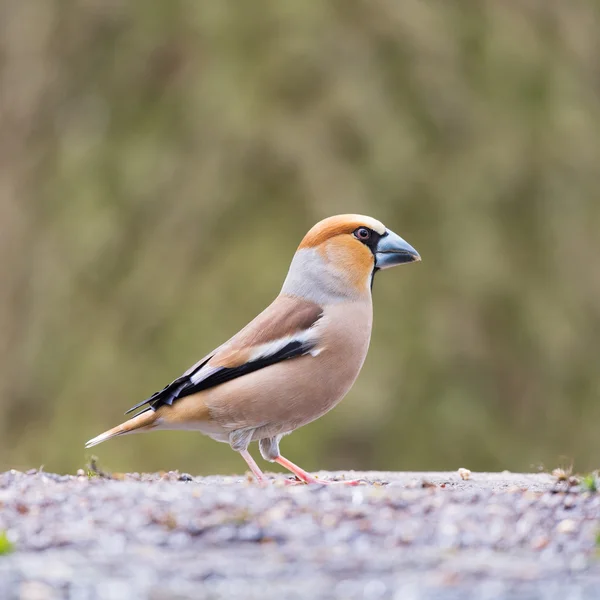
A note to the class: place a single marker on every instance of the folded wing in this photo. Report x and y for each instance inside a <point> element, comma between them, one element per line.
<point>284,330</point>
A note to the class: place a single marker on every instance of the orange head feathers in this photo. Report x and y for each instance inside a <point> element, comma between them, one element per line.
<point>339,225</point>
<point>339,256</point>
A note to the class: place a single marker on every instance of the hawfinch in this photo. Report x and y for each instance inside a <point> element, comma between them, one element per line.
<point>296,360</point>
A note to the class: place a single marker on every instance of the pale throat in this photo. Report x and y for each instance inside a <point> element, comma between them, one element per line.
<point>312,277</point>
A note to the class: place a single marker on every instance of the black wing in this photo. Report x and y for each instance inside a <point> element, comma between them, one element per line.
<point>184,386</point>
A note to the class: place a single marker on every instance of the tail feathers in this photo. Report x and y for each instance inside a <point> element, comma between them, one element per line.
<point>141,422</point>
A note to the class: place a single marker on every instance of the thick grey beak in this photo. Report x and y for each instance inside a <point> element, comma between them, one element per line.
<point>392,250</point>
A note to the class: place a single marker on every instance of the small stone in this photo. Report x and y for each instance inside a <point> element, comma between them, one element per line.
<point>540,542</point>
<point>80,473</point>
<point>560,474</point>
<point>22,509</point>
<point>566,526</point>
<point>464,474</point>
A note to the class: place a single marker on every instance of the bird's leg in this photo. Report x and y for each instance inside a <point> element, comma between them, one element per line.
<point>302,475</point>
<point>258,474</point>
<point>269,448</point>
<point>239,440</point>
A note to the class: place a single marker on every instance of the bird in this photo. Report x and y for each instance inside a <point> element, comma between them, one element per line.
<point>295,361</point>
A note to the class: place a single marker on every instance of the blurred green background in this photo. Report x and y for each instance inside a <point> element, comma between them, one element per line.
<point>160,162</point>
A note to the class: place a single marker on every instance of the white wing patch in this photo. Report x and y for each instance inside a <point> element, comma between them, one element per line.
<point>271,348</point>
<point>203,373</point>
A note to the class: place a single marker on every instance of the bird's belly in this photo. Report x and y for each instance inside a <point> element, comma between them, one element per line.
<point>291,393</point>
<point>281,398</point>
<point>208,428</point>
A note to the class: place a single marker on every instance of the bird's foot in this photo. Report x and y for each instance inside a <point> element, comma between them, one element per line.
<point>315,481</point>
<point>301,476</point>
<point>351,482</point>
<point>294,481</point>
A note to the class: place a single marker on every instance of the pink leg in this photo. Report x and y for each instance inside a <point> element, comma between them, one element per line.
<point>302,475</point>
<point>258,474</point>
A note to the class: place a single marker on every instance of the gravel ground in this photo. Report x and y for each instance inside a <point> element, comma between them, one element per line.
<point>407,536</point>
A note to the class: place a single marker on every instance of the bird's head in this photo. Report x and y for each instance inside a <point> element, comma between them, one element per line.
<point>339,256</point>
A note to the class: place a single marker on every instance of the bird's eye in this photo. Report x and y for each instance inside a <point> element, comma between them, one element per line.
<point>363,234</point>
